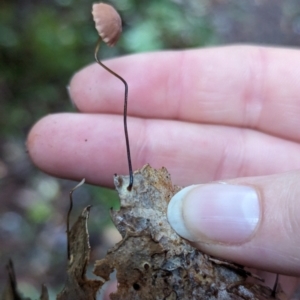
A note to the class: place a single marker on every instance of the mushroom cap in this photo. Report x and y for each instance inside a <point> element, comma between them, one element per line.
<point>108,22</point>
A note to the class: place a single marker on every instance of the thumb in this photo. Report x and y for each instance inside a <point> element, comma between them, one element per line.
<point>251,221</point>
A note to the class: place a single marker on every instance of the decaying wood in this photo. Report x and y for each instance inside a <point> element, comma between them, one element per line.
<point>153,262</point>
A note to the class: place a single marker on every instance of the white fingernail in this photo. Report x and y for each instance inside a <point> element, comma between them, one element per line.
<point>222,213</point>
<point>175,211</point>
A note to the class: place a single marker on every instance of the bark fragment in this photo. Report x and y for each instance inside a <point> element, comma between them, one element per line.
<point>153,262</point>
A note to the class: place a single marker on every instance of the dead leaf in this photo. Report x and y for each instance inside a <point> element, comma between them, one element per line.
<point>153,262</point>
<point>77,286</point>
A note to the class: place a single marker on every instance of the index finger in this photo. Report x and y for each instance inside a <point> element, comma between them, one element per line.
<point>244,86</point>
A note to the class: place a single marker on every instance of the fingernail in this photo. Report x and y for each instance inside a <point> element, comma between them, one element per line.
<point>215,213</point>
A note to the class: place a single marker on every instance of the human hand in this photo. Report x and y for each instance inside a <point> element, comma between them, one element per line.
<point>206,115</point>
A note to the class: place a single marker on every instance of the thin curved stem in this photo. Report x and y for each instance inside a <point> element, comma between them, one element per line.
<point>68,216</point>
<point>124,112</point>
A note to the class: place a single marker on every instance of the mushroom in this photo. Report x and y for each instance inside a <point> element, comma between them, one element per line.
<point>109,26</point>
<point>108,22</point>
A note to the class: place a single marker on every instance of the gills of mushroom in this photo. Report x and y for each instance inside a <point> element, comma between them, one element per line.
<point>108,23</point>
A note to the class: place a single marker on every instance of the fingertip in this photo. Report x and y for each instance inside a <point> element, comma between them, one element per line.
<point>38,140</point>
<point>175,213</point>
<point>77,146</point>
<point>216,213</point>
<point>251,221</point>
<point>34,139</point>
<point>82,86</point>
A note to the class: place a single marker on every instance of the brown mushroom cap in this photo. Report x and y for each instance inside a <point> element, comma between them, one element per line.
<point>108,22</point>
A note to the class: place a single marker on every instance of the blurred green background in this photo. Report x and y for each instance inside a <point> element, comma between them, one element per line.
<point>42,43</point>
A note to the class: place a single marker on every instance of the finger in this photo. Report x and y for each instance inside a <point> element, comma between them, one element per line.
<point>251,87</point>
<point>287,284</point>
<point>252,221</point>
<point>109,288</point>
<point>93,146</point>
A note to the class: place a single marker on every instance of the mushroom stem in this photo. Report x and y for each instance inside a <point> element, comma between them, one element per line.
<point>124,112</point>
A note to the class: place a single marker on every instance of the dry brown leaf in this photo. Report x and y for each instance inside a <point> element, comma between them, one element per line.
<point>77,286</point>
<point>11,289</point>
<point>153,262</point>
